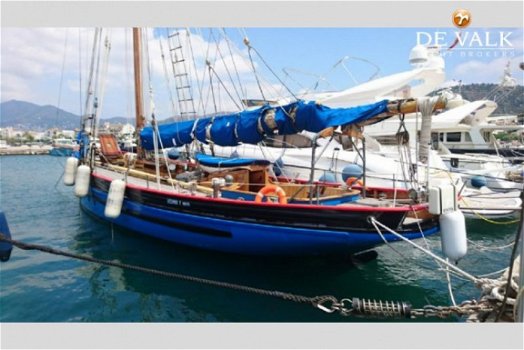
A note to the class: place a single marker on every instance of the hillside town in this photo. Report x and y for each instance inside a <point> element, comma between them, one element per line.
<point>16,142</point>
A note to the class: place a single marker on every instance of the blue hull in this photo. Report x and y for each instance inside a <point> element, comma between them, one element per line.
<point>235,236</point>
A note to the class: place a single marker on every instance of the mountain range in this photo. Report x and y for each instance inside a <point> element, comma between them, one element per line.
<point>23,115</point>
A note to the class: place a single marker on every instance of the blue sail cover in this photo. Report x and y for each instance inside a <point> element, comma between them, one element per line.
<point>245,127</point>
<point>171,135</point>
<point>315,118</point>
<point>222,162</point>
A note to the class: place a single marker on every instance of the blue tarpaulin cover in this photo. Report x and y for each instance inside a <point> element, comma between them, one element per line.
<point>221,162</point>
<point>172,135</point>
<point>243,127</point>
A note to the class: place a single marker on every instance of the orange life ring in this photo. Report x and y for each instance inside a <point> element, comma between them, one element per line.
<point>353,180</point>
<point>271,189</point>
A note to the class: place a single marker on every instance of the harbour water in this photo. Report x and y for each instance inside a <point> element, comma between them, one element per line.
<point>38,287</point>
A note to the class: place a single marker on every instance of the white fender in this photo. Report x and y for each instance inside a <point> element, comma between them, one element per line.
<point>83,177</point>
<point>453,235</point>
<point>70,171</point>
<point>115,199</point>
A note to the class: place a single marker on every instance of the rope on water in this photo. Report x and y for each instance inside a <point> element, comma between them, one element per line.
<point>282,295</point>
<point>480,216</point>
<point>495,293</point>
<point>325,303</point>
<point>484,248</point>
<point>436,257</point>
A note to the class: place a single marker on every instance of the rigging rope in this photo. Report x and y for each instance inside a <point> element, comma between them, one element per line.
<point>270,69</point>
<point>80,71</point>
<point>198,81</point>
<point>102,81</point>
<point>404,152</point>
<point>166,75</point>
<point>211,69</point>
<point>156,133</point>
<point>210,88</point>
<point>206,59</point>
<point>228,41</point>
<point>62,76</point>
<point>246,42</point>
<point>305,90</point>
<point>89,91</point>
<point>227,71</point>
<point>212,91</point>
<point>94,125</point>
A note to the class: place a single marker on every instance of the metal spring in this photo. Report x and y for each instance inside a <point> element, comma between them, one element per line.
<point>381,308</point>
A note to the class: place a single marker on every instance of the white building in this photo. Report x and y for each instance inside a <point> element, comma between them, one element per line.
<point>68,134</point>
<point>128,129</point>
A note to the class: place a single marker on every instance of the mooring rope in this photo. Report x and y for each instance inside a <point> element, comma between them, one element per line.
<point>436,257</point>
<point>286,296</point>
<point>325,303</point>
<point>494,222</point>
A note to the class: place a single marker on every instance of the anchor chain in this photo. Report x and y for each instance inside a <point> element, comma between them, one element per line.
<point>466,308</point>
<point>395,309</point>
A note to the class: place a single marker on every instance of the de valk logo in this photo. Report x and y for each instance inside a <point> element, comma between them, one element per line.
<point>461,18</point>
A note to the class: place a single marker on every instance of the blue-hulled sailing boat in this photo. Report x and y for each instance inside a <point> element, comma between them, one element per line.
<point>241,209</point>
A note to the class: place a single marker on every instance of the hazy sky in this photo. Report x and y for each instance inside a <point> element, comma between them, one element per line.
<point>32,60</point>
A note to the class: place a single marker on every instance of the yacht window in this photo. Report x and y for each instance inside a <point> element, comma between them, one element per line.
<point>467,137</point>
<point>289,141</point>
<point>434,140</point>
<point>345,141</point>
<point>453,136</point>
<point>441,136</point>
<point>487,136</point>
<point>387,140</point>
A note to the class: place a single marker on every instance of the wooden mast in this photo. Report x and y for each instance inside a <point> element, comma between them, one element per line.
<point>139,103</point>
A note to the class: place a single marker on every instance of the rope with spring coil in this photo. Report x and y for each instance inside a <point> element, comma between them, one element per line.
<point>326,303</point>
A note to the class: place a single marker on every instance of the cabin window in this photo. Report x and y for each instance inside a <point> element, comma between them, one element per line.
<point>453,136</point>
<point>487,136</point>
<point>441,136</point>
<point>467,137</point>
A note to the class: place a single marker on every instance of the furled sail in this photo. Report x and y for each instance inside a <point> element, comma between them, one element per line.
<point>250,126</point>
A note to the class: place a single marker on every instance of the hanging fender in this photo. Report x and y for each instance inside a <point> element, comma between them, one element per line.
<point>271,189</point>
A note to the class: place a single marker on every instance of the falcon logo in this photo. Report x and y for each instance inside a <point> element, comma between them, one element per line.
<point>461,18</point>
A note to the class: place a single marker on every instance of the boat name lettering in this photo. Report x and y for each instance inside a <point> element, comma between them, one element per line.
<point>178,202</point>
